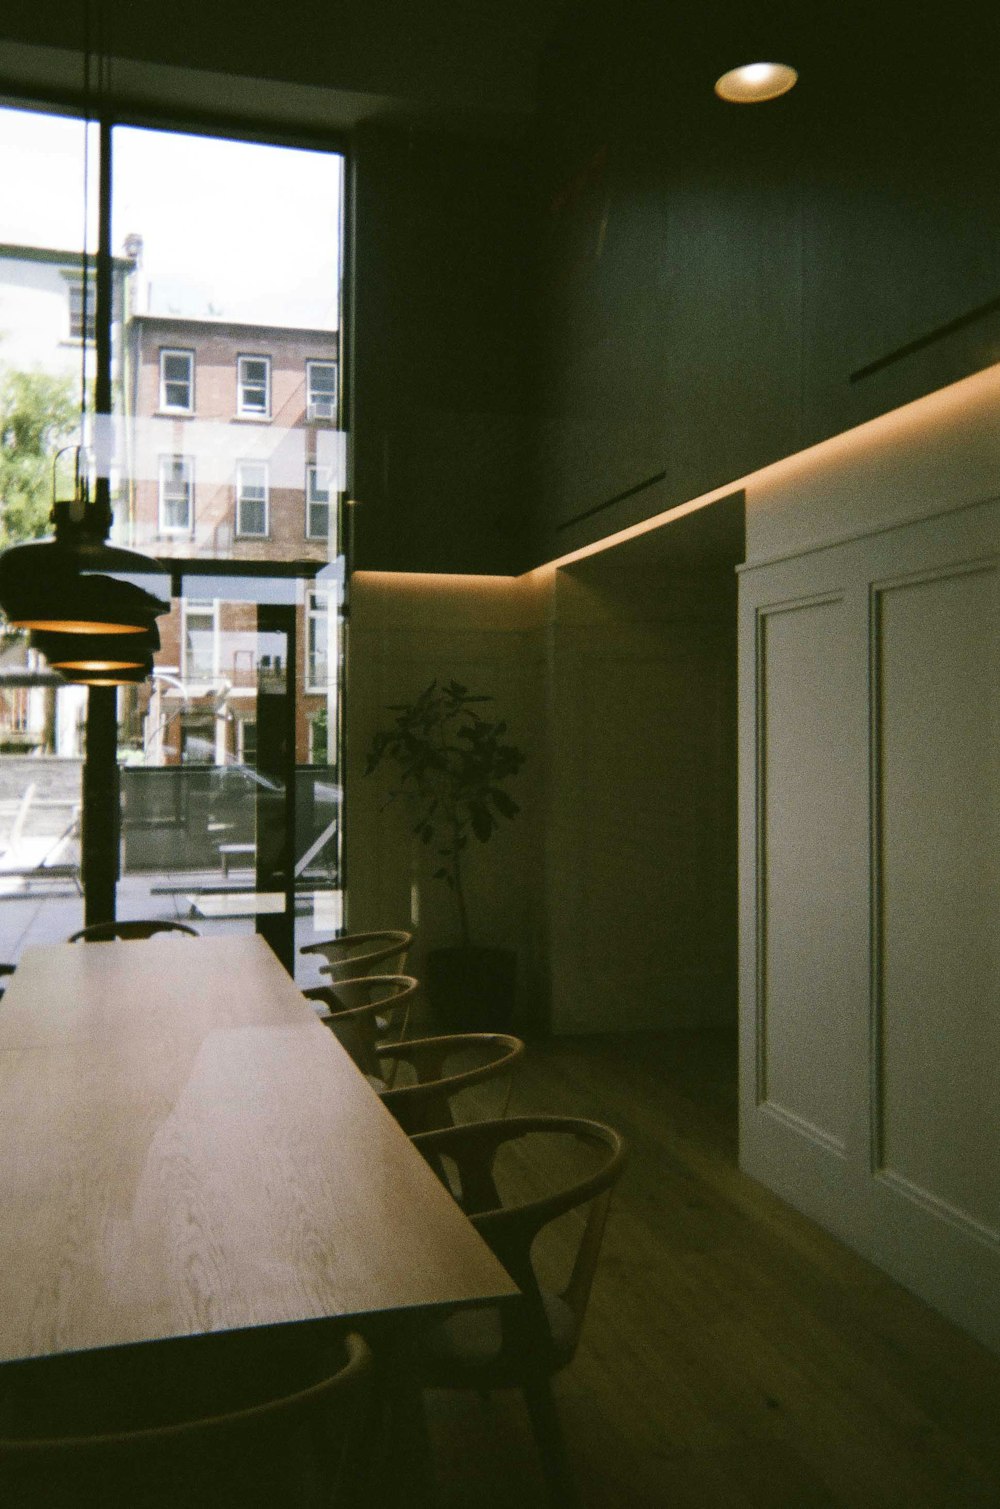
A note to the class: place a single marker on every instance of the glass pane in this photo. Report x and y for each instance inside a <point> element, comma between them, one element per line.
<point>261,329</point>
<point>199,814</point>
<point>46,365</point>
<point>253,516</point>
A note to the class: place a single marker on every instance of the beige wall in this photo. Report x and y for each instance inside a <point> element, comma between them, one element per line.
<point>938,454</point>
<point>486,632</point>
<point>640,821</point>
<point>616,884</point>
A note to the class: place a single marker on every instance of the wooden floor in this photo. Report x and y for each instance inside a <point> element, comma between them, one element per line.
<point>735,1355</point>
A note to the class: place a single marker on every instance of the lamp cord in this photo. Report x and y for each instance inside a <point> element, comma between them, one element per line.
<point>85,261</point>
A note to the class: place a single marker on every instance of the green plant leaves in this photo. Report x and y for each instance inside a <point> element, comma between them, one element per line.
<point>448,760</point>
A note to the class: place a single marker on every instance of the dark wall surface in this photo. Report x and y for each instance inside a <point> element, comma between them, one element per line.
<point>440,416</point>
<point>722,285</point>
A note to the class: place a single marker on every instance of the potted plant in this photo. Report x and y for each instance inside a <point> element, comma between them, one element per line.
<point>450,762</point>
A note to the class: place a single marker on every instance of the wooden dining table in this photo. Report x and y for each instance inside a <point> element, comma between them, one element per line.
<point>186,1151</point>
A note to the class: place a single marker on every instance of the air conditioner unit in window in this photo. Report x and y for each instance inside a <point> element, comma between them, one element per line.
<point>323,408</point>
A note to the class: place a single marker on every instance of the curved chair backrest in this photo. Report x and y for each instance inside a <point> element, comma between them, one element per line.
<point>360,1010</point>
<point>425,1104</point>
<point>105,932</point>
<point>511,1231</point>
<point>355,954</point>
<point>242,1458</point>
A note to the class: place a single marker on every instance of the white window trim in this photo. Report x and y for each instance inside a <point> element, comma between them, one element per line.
<point>313,469</point>
<point>162,526</point>
<point>243,412</point>
<point>202,609</point>
<point>312,403</point>
<point>253,534</point>
<point>168,408</point>
<point>317,615</point>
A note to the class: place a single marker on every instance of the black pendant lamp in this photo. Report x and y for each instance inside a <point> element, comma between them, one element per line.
<point>125,676</point>
<point>88,653</point>
<point>76,582</point>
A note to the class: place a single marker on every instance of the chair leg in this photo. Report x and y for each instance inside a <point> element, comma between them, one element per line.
<point>545,1422</point>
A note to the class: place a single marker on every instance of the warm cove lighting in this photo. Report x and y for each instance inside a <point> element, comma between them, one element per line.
<point>754,83</point>
<point>919,427</point>
<point>976,395</point>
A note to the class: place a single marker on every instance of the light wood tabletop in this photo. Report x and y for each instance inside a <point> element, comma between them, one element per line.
<point>186,1149</point>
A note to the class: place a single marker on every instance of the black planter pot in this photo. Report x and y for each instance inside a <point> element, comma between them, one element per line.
<point>472,989</point>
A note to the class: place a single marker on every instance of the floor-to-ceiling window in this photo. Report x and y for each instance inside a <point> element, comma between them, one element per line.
<point>227,463</point>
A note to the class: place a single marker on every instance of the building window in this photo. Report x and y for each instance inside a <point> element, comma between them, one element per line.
<point>176,495</point>
<point>200,639</point>
<point>246,741</point>
<point>318,643</point>
<point>74,288</point>
<point>197,739</point>
<point>317,502</point>
<point>253,395</point>
<point>20,707</point>
<point>177,381</point>
<point>251,497</point>
<point>321,390</point>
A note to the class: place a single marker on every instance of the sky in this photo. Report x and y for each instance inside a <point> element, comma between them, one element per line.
<point>249,232</point>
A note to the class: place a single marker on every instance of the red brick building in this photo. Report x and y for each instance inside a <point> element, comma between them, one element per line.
<point>235,455</point>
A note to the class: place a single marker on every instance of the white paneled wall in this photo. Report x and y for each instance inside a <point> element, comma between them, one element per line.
<point>804,777</point>
<point>870,897</point>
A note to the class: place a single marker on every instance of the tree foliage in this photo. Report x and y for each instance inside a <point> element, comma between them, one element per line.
<point>38,414</point>
<point>449,762</point>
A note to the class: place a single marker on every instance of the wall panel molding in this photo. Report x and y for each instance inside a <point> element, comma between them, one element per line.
<point>796,638</point>
<point>803,1128</point>
<point>940,1209</point>
<point>911,1179</point>
<point>934,1038</point>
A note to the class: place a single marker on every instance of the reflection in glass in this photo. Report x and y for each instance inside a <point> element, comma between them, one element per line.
<point>225,446</point>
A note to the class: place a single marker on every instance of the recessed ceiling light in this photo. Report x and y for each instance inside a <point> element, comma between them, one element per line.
<point>755,82</point>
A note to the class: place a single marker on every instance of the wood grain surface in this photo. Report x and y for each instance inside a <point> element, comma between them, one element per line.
<point>186,1149</point>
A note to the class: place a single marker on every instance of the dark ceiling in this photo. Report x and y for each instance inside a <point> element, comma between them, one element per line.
<point>472,61</point>
<point>472,64</point>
